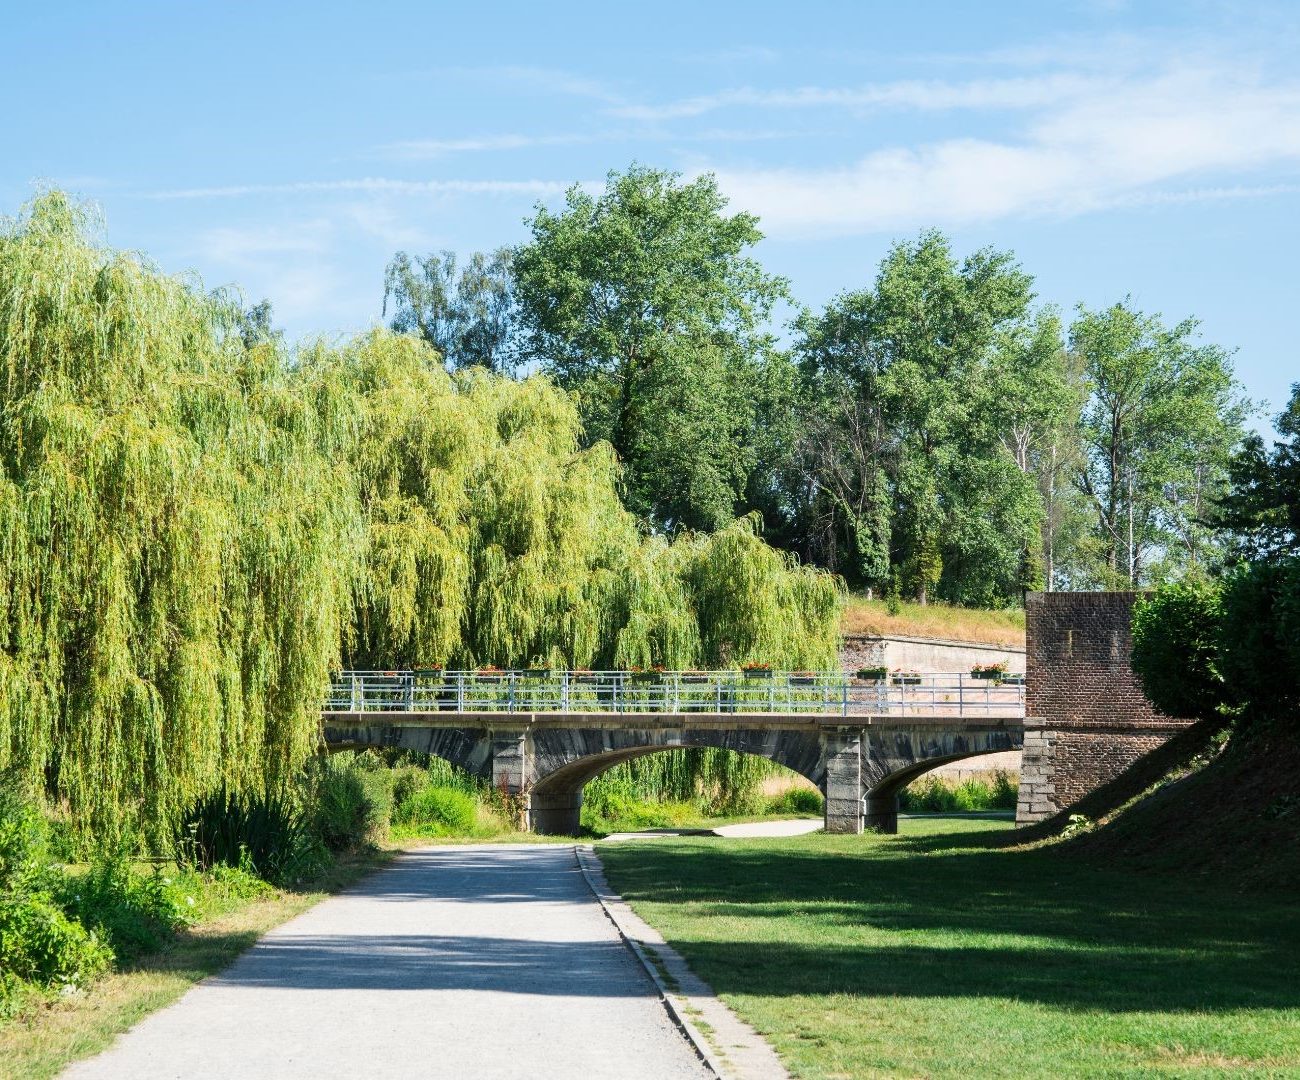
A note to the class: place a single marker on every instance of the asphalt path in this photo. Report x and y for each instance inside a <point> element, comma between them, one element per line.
<point>486,961</point>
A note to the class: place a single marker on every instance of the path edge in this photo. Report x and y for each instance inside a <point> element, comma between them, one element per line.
<point>593,873</point>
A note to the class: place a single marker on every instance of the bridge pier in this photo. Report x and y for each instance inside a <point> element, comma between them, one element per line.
<point>511,766</point>
<point>882,813</point>
<point>555,813</point>
<point>842,754</point>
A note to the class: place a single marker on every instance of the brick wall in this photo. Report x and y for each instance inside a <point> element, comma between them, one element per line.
<point>1093,719</point>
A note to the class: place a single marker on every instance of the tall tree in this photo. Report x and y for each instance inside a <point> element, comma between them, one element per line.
<point>1261,512</point>
<point>644,302</point>
<point>924,461</point>
<point>471,319</point>
<point>1162,420</point>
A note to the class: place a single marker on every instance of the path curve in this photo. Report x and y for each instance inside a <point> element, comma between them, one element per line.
<point>489,961</point>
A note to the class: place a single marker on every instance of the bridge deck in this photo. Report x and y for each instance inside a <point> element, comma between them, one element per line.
<point>797,721</point>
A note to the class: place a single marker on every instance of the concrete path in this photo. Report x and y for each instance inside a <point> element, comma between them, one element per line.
<point>788,827</point>
<point>466,962</point>
<point>783,827</point>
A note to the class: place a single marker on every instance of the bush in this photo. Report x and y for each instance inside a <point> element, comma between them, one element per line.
<point>934,795</point>
<point>796,801</point>
<point>40,944</point>
<point>442,809</point>
<point>1176,648</point>
<point>134,913</point>
<point>268,835</point>
<point>406,781</point>
<point>350,801</point>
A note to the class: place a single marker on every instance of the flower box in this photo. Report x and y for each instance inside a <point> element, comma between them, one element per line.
<point>873,674</point>
<point>537,673</point>
<point>758,673</point>
<point>907,679</point>
<point>803,680</point>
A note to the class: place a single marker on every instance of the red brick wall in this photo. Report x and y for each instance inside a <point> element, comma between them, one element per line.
<point>1095,719</point>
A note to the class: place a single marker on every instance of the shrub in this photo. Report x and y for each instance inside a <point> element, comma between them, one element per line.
<point>24,852</point>
<point>444,809</point>
<point>40,944</point>
<point>350,801</point>
<point>934,795</point>
<point>1175,648</point>
<point>134,913</point>
<point>796,801</point>
<point>406,781</point>
<point>267,834</point>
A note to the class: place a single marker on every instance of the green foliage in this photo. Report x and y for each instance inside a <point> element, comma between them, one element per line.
<point>350,800</point>
<point>1261,513</point>
<point>441,810</point>
<point>1259,643</point>
<point>1162,419</point>
<point>175,565</point>
<point>926,397</point>
<point>470,320</point>
<point>133,913</point>
<point>644,302</point>
<point>937,795</point>
<point>796,801</point>
<point>198,525</point>
<point>40,944</point>
<point>268,835</point>
<point>1176,635</point>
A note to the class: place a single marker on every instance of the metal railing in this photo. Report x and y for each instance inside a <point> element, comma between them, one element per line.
<point>713,692</point>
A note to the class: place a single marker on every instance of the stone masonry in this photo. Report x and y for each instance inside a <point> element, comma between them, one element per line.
<point>1087,719</point>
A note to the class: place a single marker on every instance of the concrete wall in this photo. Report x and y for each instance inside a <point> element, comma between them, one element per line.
<point>1080,684</point>
<point>925,654</point>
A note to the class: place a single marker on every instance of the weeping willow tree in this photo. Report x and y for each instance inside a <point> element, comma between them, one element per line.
<point>194,530</point>
<point>492,538</point>
<point>175,568</point>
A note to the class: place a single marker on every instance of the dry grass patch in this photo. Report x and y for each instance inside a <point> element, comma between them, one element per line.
<point>1005,627</point>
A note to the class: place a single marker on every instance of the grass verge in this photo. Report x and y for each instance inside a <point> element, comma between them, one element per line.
<point>996,627</point>
<point>48,1036</point>
<point>937,953</point>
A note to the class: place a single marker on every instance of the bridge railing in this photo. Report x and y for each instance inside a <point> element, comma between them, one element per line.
<point>553,691</point>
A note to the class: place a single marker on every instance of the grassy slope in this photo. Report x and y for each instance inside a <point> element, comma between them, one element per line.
<point>863,616</point>
<point>937,953</point>
<point>49,1037</point>
<point>1234,822</point>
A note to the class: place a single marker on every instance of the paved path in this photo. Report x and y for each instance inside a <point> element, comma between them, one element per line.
<point>458,962</point>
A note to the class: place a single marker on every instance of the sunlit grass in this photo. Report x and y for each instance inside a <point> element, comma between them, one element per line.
<point>935,953</point>
<point>1000,627</point>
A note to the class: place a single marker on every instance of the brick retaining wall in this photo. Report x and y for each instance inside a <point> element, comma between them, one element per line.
<point>1095,720</point>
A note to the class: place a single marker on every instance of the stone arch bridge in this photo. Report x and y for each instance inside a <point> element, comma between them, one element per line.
<point>1078,714</point>
<point>542,736</point>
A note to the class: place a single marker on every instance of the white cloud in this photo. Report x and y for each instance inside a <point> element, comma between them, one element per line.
<point>421,149</point>
<point>374,184</point>
<point>925,94</point>
<point>1120,144</point>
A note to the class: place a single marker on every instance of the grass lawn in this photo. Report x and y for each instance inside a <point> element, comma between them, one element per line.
<point>47,1037</point>
<point>932,954</point>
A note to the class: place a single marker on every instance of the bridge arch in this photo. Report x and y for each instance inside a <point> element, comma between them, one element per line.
<point>881,795</point>
<point>564,761</point>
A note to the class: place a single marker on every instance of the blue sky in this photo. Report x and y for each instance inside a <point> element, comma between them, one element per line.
<point>1150,149</point>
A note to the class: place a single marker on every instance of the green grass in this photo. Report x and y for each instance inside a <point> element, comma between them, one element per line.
<point>936,953</point>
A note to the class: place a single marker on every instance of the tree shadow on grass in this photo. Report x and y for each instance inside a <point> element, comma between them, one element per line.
<point>876,921</point>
